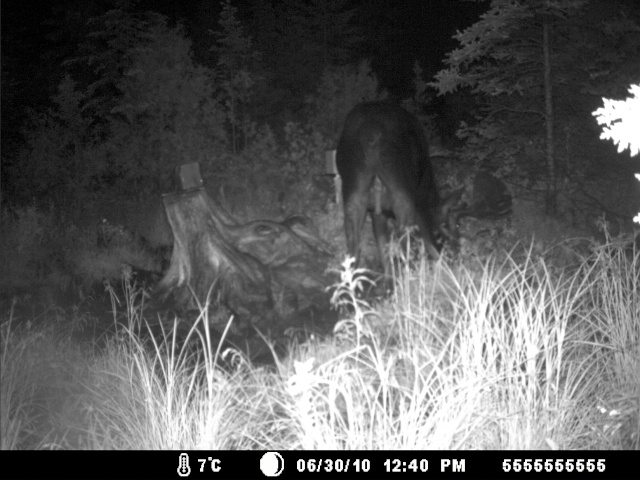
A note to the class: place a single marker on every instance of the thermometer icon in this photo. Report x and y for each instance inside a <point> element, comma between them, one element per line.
<point>184,470</point>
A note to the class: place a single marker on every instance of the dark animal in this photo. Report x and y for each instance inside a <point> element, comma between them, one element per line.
<point>383,144</point>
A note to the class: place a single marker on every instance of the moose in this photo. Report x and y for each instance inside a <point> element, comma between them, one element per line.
<point>383,159</point>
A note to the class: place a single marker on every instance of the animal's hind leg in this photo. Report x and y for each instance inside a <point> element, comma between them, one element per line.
<point>355,209</point>
<point>381,234</point>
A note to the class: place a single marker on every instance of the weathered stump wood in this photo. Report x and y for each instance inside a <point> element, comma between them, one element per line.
<point>258,271</point>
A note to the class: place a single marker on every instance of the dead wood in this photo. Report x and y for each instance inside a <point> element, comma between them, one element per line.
<point>259,270</point>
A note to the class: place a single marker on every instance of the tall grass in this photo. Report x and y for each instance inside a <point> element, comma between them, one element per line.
<point>40,368</point>
<point>500,353</point>
<point>15,393</point>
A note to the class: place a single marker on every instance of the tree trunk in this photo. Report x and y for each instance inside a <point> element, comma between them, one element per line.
<point>551,190</point>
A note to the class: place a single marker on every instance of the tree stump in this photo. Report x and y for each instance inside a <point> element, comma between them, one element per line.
<point>258,271</point>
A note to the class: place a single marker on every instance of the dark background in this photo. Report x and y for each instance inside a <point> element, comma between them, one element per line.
<point>38,37</point>
<point>39,41</point>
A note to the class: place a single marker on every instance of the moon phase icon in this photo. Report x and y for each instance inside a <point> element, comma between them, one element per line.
<point>271,464</point>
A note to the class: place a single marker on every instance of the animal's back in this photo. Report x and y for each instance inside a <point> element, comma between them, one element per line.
<point>382,138</point>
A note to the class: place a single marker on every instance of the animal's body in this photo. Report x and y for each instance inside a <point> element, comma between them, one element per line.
<point>384,144</point>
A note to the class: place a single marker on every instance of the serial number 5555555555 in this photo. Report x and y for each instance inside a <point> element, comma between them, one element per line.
<point>553,465</point>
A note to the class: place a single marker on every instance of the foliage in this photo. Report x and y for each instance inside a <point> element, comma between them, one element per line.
<point>304,151</point>
<point>141,108</point>
<point>499,60</point>
<point>261,145</point>
<point>36,248</point>
<point>489,39</point>
<point>621,121</point>
<point>536,130</point>
<point>301,40</point>
<point>423,96</point>
<point>236,72</point>
<point>54,146</point>
<point>325,30</point>
<point>479,66</point>
<point>340,89</point>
